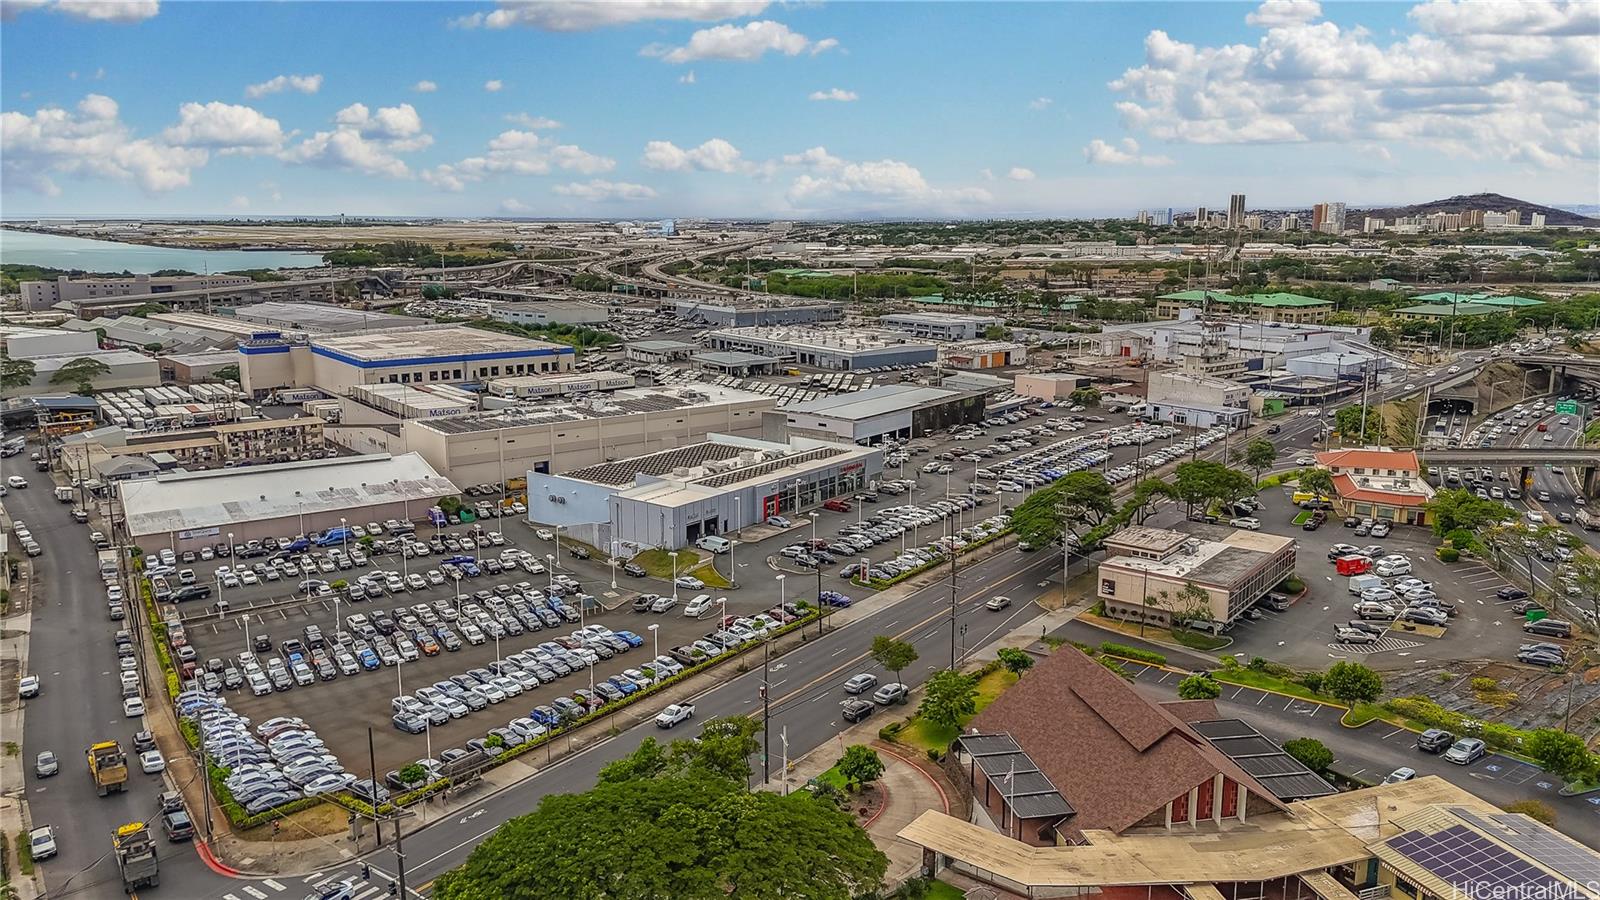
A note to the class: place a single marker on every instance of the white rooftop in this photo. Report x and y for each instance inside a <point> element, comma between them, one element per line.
<point>184,501</point>
<point>872,402</point>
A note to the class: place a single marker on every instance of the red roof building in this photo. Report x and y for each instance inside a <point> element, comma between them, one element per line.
<point>1382,485</point>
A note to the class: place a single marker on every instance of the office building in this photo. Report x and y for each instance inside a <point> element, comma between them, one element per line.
<point>44,294</point>
<point>940,326</point>
<point>1236,211</point>
<point>717,486</point>
<point>1205,574</point>
<point>235,294</point>
<point>1188,398</point>
<point>573,433</point>
<point>320,318</point>
<point>889,411</point>
<point>190,510</point>
<point>827,348</point>
<point>433,354</point>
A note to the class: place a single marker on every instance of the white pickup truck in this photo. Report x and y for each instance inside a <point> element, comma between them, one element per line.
<point>674,714</point>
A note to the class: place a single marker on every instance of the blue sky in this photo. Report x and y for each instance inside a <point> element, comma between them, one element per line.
<point>753,108</point>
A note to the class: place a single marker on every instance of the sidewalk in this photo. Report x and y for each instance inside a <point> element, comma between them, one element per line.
<point>14,818</point>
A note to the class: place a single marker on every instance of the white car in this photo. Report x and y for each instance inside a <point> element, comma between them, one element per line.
<point>42,842</point>
<point>1246,522</point>
<point>28,687</point>
<point>133,707</point>
<point>152,762</point>
<point>543,534</point>
<point>17,481</point>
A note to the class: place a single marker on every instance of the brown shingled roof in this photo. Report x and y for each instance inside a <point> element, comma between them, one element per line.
<point>1115,756</point>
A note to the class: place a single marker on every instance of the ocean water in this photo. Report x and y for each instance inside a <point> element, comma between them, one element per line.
<point>59,252</point>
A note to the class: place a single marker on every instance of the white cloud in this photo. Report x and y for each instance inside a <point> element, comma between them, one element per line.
<point>365,141</point>
<point>239,201</point>
<point>116,11</point>
<point>715,155</point>
<point>737,43</point>
<point>517,153</point>
<point>986,174</point>
<point>1039,103</point>
<point>1504,81</point>
<point>599,191</point>
<point>815,158</point>
<point>224,127</point>
<point>493,85</point>
<point>1279,13</point>
<point>89,140</point>
<point>424,87</point>
<point>514,206</point>
<point>584,15</point>
<point>1101,153</point>
<point>537,123</point>
<point>1018,173</point>
<point>305,84</point>
<point>687,77</point>
<point>839,94</point>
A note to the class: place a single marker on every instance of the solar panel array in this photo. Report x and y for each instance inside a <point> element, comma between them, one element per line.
<point>766,468</point>
<point>1012,772</point>
<point>1476,866</point>
<point>1281,774</point>
<point>1552,849</point>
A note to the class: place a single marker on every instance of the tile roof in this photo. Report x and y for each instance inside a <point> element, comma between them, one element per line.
<point>1347,489</point>
<point>1115,756</point>
<point>1402,460</point>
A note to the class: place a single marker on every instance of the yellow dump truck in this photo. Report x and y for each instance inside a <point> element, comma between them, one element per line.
<point>108,766</point>
<point>136,856</point>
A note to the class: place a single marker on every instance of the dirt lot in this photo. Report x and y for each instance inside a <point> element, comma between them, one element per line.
<point>1521,696</point>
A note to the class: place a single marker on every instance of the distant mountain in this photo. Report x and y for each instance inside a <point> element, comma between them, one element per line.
<point>1485,202</point>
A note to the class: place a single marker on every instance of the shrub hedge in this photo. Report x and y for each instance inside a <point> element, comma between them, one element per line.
<point>1111,648</point>
<point>1423,710</point>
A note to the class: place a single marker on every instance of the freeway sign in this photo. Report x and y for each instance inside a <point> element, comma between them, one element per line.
<point>1567,407</point>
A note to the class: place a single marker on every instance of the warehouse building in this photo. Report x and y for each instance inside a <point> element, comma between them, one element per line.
<point>1050,385</point>
<point>192,368</point>
<point>190,510</point>
<point>940,326</point>
<point>42,294</point>
<point>313,290</point>
<point>847,349</point>
<point>1209,574</point>
<point>125,369</point>
<point>321,318</point>
<point>432,354</point>
<point>26,341</point>
<point>717,486</point>
<point>982,354</point>
<point>759,312</point>
<point>541,313</point>
<point>562,436</point>
<point>879,413</point>
<point>659,351</point>
<point>258,441</point>
<point>530,387</point>
<point>734,362</point>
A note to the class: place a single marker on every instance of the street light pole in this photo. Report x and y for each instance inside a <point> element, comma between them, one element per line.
<point>655,639</point>
<point>674,555</point>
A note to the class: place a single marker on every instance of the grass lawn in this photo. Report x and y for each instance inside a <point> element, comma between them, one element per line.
<point>1252,678</point>
<point>1199,640</point>
<point>925,736</point>
<point>940,890</point>
<point>1303,518</point>
<point>659,564</point>
<point>708,573</point>
<point>833,777</point>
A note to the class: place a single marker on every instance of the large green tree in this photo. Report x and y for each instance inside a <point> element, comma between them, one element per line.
<point>1317,481</point>
<point>1016,661</point>
<point>949,698</point>
<point>80,372</point>
<point>1351,683</point>
<point>1258,456</point>
<point>893,654</point>
<point>1460,508</point>
<point>1203,482</point>
<point>860,765</point>
<point>15,373</point>
<point>1349,420</point>
<point>1072,505</point>
<point>688,835</point>
<point>1560,753</point>
<point>1311,753</point>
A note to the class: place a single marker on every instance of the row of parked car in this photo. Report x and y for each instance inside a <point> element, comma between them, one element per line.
<point>897,521</point>
<point>279,761</point>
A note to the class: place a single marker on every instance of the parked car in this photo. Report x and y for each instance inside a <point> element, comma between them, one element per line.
<point>861,683</point>
<point>1466,751</point>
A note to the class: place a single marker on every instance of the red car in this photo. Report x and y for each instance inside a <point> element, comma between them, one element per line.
<point>837,506</point>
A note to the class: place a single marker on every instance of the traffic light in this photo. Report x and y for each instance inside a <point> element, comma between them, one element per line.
<point>394,889</point>
<point>366,872</point>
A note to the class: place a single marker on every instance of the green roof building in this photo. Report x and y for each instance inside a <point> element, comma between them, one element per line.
<point>1276,307</point>
<point>1434,312</point>
<point>1509,302</point>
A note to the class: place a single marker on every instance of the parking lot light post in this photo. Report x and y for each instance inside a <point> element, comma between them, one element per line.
<point>655,638</point>
<point>246,620</point>
<point>674,555</point>
<point>558,545</point>
<point>550,570</point>
<point>613,565</point>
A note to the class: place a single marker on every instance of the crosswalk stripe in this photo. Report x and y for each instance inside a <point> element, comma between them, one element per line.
<point>230,897</point>
<point>314,876</point>
<point>255,892</point>
<point>363,895</point>
<point>272,884</point>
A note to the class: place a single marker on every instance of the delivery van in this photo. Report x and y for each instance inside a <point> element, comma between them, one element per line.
<point>1359,583</point>
<point>714,544</point>
<point>1354,564</point>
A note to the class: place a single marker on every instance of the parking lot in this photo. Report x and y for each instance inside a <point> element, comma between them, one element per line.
<point>1303,635</point>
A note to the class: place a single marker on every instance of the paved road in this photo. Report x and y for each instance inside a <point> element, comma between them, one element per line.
<point>72,650</point>
<point>1370,752</point>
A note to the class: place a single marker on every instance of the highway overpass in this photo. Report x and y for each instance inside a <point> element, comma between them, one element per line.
<point>1583,460</point>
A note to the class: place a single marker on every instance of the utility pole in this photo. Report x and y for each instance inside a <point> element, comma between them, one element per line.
<point>766,713</point>
<point>372,760</point>
<point>399,855</point>
<point>953,554</point>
